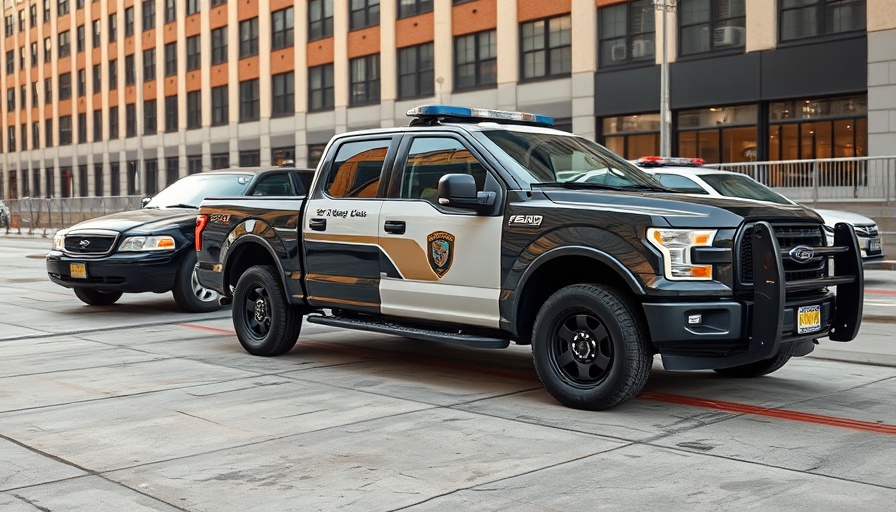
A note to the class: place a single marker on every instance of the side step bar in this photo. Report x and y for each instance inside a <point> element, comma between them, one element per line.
<point>467,340</point>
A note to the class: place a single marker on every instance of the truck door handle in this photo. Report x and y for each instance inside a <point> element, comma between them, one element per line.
<point>318,224</point>
<point>396,227</point>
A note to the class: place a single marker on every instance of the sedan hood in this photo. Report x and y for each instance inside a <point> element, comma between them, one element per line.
<point>147,220</point>
<point>832,217</point>
<point>683,210</point>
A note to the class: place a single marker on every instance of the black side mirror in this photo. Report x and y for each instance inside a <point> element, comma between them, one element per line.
<point>459,191</point>
<point>145,201</point>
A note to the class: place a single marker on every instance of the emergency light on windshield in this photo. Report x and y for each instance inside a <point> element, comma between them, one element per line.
<point>426,112</point>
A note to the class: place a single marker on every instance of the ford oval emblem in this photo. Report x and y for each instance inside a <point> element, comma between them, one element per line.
<point>802,254</point>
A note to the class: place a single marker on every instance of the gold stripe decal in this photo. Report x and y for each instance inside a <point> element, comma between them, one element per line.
<point>407,255</point>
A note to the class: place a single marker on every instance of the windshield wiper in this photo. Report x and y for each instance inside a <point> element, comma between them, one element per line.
<point>598,186</point>
<point>181,205</point>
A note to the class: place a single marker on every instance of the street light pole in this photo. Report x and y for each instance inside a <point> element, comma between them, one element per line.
<point>665,6</point>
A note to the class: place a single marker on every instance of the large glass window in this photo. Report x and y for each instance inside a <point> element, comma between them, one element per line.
<point>546,47</point>
<point>364,75</point>
<point>248,38</point>
<point>150,117</point>
<point>149,14</point>
<point>149,65</point>
<point>282,29</point>
<point>250,158</point>
<point>363,13</point>
<point>627,33</point>
<point>171,113</point>
<point>194,109</point>
<point>476,60</point>
<point>415,71</point>
<point>413,7</point>
<point>809,18</point>
<point>707,25</point>
<point>220,110</point>
<point>818,128</point>
<point>65,130</point>
<point>719,134</point>
<point>194,60</point>
<point>249,100</point>
<point>130,120</point>
<point>632,136</point>
<point>219,45</point>
<point>171,59</point>
<point>320,19</point>
<point>283,94</point>
<point>320,87</point>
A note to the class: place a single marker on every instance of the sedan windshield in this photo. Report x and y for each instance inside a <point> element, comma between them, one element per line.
<point>738,185</point>
<point>190,191</point>
<point>554,158</point>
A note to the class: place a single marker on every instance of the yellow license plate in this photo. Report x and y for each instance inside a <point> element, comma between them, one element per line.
<point>78,270</point>
<point>808,319</point>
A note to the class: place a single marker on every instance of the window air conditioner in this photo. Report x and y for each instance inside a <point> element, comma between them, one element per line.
<point>728,36</point>
<point>642,48</point>
<point>618,52</point>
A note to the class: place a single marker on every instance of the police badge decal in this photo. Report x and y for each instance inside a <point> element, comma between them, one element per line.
<point>440,251</point>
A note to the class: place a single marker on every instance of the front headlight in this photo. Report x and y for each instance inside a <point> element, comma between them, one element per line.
<point>147,243</point>
<point>58,242</point>
<point>675,244</point>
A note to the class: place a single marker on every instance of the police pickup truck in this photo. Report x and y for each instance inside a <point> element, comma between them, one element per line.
<point>483,227</point>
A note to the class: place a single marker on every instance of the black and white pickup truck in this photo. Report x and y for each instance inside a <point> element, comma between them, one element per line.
<point>485,227</point>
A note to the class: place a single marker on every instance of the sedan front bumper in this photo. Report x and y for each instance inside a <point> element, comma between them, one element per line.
<point>123,272</point>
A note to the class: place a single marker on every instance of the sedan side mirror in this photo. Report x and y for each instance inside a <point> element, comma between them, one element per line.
<point>145,201</point>
<point>459,191</point>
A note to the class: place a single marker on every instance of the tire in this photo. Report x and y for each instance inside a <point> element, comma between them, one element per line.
<point>265,323</point>
<point>191,296</point>
<point>97,297</point>
<point>759,368</point>
<point>588,348</point>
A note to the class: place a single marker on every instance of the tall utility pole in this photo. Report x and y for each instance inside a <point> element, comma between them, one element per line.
<point>665,7</point>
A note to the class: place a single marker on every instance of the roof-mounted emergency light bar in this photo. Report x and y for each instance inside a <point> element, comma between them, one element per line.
<point>432,114</point>
<point>659,161</point>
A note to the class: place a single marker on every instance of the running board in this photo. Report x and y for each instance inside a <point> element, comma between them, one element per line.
<point>467,340</point>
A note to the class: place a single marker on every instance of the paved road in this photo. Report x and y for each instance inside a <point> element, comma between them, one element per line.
<point>140,407</point>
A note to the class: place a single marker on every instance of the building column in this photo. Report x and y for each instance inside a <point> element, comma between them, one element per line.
<point>584,65</point>
<point>508,44</point>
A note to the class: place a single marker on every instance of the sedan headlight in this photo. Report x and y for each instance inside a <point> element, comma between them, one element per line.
<point>59,242</point>
<point>147,243</point>
<point>676,244</point>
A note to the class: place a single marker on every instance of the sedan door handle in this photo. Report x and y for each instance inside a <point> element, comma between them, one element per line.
<point>318,224</point>
<point>396,227</point>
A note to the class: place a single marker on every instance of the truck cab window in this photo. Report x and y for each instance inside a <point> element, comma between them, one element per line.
<point>357,168</point>
<point>429,159</point>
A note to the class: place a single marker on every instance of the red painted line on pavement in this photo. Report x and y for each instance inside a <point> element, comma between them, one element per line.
<point>878,291</point>
<point>783,414</point>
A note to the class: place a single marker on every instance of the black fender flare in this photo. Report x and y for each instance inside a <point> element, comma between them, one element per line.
<point>250,238</point>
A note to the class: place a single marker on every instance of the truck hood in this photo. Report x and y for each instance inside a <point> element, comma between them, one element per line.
<point>683,210</point>
<point>146,221</point>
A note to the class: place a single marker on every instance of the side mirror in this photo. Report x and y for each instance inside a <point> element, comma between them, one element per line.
<point>145,201</point>
<point>459,191</point>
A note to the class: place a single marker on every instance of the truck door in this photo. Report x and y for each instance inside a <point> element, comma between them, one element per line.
<point>340,226</point>
<point>441,263</point>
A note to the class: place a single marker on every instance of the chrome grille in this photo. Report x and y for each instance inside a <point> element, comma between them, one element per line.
<point>89,244</point>
<point>866,231</point>
<point>789,236</point>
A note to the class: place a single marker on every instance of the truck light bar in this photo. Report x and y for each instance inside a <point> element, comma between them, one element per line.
<point>658,161</point>
<point>485,114</point>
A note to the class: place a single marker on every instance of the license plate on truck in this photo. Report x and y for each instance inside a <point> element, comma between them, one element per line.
<point>78,270</point>
<point>808,319</point>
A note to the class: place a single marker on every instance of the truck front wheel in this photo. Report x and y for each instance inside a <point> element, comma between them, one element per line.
<point>265,323</point>
<point>588,349</point>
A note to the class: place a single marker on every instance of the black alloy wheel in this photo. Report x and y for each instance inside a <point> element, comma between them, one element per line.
<point>582,350</point>
<point>265,323</point>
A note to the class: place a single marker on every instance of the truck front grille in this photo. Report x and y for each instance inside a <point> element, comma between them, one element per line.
<point>789,236</point>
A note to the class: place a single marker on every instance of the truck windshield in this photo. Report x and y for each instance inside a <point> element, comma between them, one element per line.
<point>554,158</point>
<point>190,191</point>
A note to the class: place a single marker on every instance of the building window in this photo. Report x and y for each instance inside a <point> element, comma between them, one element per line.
<point>216,3</point>
<point>170,11</point>
<point>220,110</point>
<point>11,139</point>
<point>10,62</point>
<point>283,95</point>
<point>151,177</point>
<point>65,86</point>
<point>97,79</point>
<point>171,114</point>
<point>718,134</point>
<point>129,75</point>
<point>64,44</point>
<point>34,54</point>
<point>249,100</point>
<point>10,99</point>
<point>48,133</point>
<point>415,71</point>
<point>21,21</point>
<point>115,178</point>
<point>9,26</point>
<point>133,172</point>
<point>81,38</point>
<point>82,82</point>
<point>24,132</point>
<point>250,158</point>
<point>172,169</point>
<point>248,38</point>
<point>82,128</point>
<point>32,18</point>
<point>220,160</point>
<point>128,22</point>
<point>707,25</point>
<point>65,130</point>
<point>194,164</point>
<point>49,173</point>
<point>61,7</point>
<point>192,7</point>
<point>413,7</point>
<point>97,125</point>
<point>315,152</point>
<point>149,65</point>
<point>82,180</point>
<point>193,57</point>
<point>546,47</point>
<point>149,14</point>
<point>96,37</point>
<point>130,120</point>
<point>113,73</point>
<point>35,97</point>
<point>46,10</point>
<point>150,115</point>
<point>194,109</point>
<point>320,19</point>
<point>22,98</point>
<point>98,184</point>
<point>364,77</point>
<point>476,60</point>
<point>819,128</point>
<point>627,33</point>
<point>799,19</point>
<point>363,13</point>
<point>48,50</point>
<point>48,91</point>
<point>320,87</point>
<point>171,59</point>
<point>280,156</point>
<point>219,45</point>
<point>113,122</point>
<point>113,27</point>
<point>282,29</point>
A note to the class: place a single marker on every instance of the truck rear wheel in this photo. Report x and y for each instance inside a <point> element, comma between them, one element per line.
<point>759,368</point>
<point>265,323</point>
<point>588,349</point>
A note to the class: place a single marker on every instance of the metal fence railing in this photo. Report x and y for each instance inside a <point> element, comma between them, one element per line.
<point>831,179</point>
<point>31,215</point>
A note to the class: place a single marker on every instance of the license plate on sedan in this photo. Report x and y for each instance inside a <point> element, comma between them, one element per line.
<point>874,245</point>
<point>78,270</point>
<point>808,319</point>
